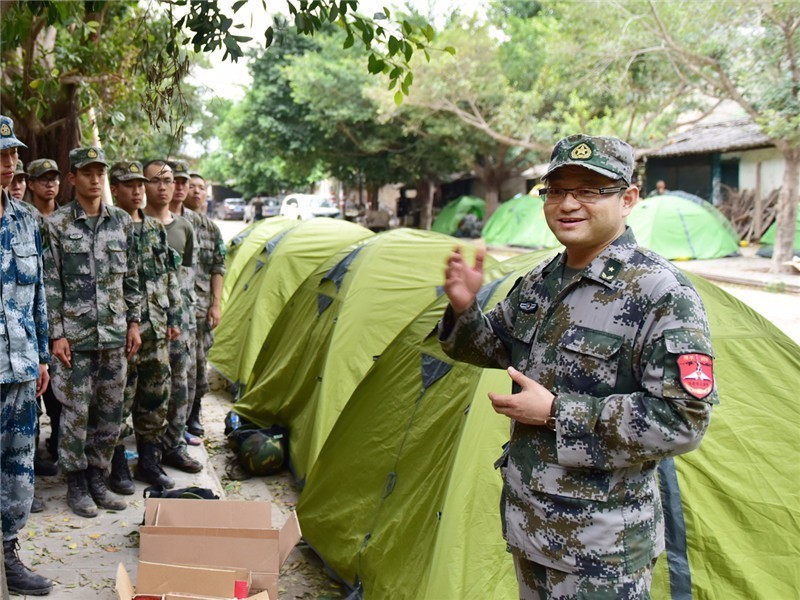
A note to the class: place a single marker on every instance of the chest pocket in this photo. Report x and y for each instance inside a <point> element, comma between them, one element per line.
<point>76,256</point>
<point>522,339</point>
<point>589,360</point>
<point>25,263</point>
<point>117,256</point>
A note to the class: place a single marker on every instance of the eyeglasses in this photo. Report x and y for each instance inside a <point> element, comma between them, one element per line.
<point>160,180</point>
<point>582,195</point>
<point>46,180</point>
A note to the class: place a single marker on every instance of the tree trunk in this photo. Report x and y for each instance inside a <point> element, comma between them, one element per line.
<point>786,221</point>
<point>424,201</point>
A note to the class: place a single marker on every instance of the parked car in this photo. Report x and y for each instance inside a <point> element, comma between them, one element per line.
<point>308,206</point>
<point>270,207</point>
<point>230,208</point>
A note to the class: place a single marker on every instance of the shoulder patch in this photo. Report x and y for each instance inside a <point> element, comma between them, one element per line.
<point>696,374</point>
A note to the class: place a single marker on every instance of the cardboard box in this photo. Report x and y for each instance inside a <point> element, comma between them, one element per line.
<point>221,533</point>
<point>174,582</point>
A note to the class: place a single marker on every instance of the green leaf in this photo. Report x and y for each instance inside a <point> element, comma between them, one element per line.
<point>450,50</point>
<point>394,45</point>
<point>398,97</point>
<point>428,32</point>
<point>409,79</point>
<point>348,42</point>
<point>239,4</point>
<point>407,29</point>
<point>269,34</point>
<point>35,83</point>
<point>408,50</point>
<point>334,13</point>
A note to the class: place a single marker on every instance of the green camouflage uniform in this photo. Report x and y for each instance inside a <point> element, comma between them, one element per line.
<point>93,294</point>
<point>583,498</point>
<point>147,390</point>
<point>182,353</point>
<point>210,261</point>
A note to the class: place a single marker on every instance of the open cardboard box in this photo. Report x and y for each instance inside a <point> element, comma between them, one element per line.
<point>222,533</point>
<point>173,582</point>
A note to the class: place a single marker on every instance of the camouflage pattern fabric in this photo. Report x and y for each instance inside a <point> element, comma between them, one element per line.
<point>17,438</point>
<point>147,390</point>
<point>540,583</point>
<point>93,286</point>
<point>205,338</point>
<point>210,260</point>
<point>583,499</point>
<point>91,393</point>
<point>23,312</point>
<point>182,360</point>
<point>608,156</point>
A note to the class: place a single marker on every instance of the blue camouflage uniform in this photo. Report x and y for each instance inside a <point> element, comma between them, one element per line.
<point>23,347</point>
<point>582,498</point>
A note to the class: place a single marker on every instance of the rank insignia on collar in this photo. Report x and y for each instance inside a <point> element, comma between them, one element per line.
<point>528,307</point>
<point>581,152</point>
<point>611,270</point>
<point>697,374</point>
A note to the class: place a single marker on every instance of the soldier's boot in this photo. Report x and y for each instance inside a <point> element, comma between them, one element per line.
<point>193,424</point>
<point>96,479</point>
<point>78,497</point>
<point>148,468</point>
<point>38,505</point>
<point>21,579</point>
<point>43,467</point>
<point>120,478</point>
<point>179,458</point>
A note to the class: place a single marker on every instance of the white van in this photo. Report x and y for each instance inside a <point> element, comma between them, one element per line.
<point>308,206</point>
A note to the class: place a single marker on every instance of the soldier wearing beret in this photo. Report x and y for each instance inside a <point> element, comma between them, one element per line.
<point>94,307</point>
<point>609,353</point>
<point>18,185</point>
<point>148,386</point>
<point>24,357</point>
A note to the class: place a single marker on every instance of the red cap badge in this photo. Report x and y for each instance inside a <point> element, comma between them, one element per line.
<point>697,374</point>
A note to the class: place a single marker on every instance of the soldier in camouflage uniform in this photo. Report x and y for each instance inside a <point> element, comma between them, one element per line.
<point>209,270</point>
<point>608,349</point>
<point>180,234</point>
<point>23,364</point>
<point>18,185</point>
<point>149,376</point>
<point>94,308</point>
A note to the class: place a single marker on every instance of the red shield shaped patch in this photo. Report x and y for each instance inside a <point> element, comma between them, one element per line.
<point>697,374</point>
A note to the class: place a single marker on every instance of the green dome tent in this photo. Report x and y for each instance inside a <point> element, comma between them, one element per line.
<point>520,222</point>
<point>340,319</point>
<point>402,501</point>
<point>267,282</point>
<point>679,229</point>
<point>448,220</point>
<point>768,239</point>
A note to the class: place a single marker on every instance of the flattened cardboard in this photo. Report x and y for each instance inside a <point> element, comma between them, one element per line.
<point>176,582</point>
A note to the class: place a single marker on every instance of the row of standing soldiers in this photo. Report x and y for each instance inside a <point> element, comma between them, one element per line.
<point>133,293</point>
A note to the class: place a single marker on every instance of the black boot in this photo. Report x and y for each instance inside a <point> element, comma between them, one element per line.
<point>120,478</point>
<point>78,496</point>
<point>96,480</point>
<point>20,578</point>
<point>37,505</point>
<point>148,468</point>
<point>179,458</point>
<point>193,424</point>
<point>43,467</point>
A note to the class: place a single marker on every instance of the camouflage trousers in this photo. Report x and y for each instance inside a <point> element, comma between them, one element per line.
<point>205,338</point>
<point>537,582</point>
<point>17,440</point>
<point>147,390</point>
<point>183,362</point>
<point>91,396</point>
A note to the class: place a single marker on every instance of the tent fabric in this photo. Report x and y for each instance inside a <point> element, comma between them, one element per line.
<point>520,222</point>
<point>311,362</point>
<point>681,229</point>
<point>403,500</point>
<point>450,217</point>
<point>266,283</point>
<point>768,239</point>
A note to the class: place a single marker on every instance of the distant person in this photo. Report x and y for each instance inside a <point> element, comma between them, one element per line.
<point>24,358</point>
<point>18,185</point>
<point>258,208</point>
<point>661,189</point>
<point>608,350</point>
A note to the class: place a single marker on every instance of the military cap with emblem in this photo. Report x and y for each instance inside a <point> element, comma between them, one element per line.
<point>19,169</point>
<point>37,168</point>
<point>180,169</point>
<point>605,155</point>
<point>7,137</point>
<point>80,157</point>
<point>127,171</point>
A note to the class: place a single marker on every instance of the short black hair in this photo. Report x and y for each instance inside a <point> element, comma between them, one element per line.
<point>156,161</point>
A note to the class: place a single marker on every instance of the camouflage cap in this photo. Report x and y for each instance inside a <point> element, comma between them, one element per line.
<point>180,169</point>
<point>127,171</point>
<point>196,174</point>
<point>605,155</point>
<point>7,137</point>
<point>80,157</point>
<point>19,169</point>
<point>37,168</point>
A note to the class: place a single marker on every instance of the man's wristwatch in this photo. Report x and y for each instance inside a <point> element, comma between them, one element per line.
<point>550,422</point>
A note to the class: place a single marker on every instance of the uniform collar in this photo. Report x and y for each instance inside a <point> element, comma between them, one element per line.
<point>78,213</point>
<point>607,266</point>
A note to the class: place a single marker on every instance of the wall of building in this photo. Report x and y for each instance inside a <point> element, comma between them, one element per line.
<point>771,162</point>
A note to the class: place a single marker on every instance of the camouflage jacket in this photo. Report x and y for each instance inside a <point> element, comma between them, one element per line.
<point>159,280</point>
<point>210,260</point>
<point>23,312</point>
<point>93,289</point>
<point>188,274</point>
<point>583,498</point>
